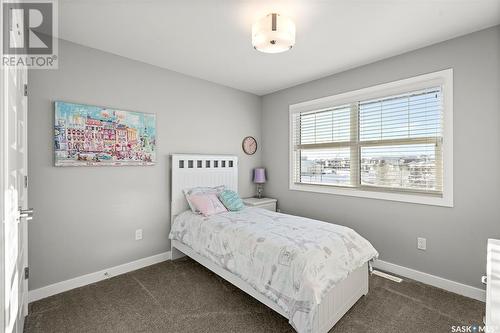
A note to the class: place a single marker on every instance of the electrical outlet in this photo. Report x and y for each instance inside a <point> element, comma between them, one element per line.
<point>421,243</point>
<point>138,234</point>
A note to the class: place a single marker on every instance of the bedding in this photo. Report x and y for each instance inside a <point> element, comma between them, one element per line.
<point>293,261</point>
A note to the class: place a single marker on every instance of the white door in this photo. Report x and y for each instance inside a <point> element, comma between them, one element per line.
<point>14,172</point>
<point>493,286</point>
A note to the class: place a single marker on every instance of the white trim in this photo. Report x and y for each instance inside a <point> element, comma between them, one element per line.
<point>432,280</point>
<point>3,177</point>
<point>353,192</point>
<point>80,281</point>
<point>443,78</point>
<point>376,91</point>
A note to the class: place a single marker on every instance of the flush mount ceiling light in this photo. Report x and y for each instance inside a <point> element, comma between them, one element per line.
<point>273,34</point>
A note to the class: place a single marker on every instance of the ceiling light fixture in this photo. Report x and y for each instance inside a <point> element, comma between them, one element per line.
<point>273,34</point>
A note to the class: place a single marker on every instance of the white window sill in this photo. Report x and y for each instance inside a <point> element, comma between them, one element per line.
<point>444,201</point>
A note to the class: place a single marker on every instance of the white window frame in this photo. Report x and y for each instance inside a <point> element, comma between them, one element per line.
<point>444,79</point>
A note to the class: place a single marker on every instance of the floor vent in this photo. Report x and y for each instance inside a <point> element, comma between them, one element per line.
<point>387,276</point>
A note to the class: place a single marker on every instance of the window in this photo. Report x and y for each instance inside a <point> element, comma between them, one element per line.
<point>393,141</point>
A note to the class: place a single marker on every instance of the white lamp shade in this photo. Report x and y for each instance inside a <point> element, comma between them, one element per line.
<point>273,34</point>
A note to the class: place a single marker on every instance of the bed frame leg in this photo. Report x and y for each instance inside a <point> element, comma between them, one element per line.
<point>176,254</point>
<point>366,283</point>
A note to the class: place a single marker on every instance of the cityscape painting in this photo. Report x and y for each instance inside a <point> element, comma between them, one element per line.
<point>86,135</point>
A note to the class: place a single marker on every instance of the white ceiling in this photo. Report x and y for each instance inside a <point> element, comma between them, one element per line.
<point>211,39</point>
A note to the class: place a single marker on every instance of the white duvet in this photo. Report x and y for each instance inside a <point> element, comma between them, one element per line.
<point>292,260</point>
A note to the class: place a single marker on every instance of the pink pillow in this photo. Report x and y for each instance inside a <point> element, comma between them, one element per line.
<point>207,204</point>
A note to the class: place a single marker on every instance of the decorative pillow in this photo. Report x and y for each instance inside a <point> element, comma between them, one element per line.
<point>231,200</point>
<point>207,204</point>
<point>201,190</point>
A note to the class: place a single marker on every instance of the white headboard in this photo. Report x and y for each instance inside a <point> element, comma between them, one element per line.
<point>192,170</point>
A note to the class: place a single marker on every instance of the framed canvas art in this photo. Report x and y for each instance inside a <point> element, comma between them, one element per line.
<point>86,135</point>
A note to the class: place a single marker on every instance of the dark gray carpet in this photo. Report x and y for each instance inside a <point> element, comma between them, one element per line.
<point>183,296</point>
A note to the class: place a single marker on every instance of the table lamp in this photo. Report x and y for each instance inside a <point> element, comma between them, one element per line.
<point>259,178</point>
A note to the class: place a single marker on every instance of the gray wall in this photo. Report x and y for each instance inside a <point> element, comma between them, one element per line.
<point>86,216</point>
<point>456,237</point>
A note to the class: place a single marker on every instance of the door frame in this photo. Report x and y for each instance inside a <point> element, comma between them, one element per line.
<point>22,74</point>
<point>24,309</point>
<point>2,183</point>
<point>4,177</point>
<point>2,198</point>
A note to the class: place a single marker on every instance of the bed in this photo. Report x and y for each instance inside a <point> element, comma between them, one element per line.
<point>311,272</point>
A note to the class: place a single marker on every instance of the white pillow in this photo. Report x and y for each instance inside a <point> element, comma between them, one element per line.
<point>201,190</point>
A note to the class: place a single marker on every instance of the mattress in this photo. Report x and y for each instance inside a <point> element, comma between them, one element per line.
<point>293,261</point>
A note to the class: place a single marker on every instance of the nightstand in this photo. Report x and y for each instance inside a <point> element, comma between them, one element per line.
<point>265,203</point>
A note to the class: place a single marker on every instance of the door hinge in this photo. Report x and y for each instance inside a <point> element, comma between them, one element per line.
<point>25,89</point>
<point>26,273</point>
<point>25,181</point>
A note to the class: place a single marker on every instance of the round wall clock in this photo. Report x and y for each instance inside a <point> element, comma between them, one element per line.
<point>249,145</point>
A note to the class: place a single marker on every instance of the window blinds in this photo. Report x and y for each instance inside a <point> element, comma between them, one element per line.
<point>390,143</point>
<point>323,146</point>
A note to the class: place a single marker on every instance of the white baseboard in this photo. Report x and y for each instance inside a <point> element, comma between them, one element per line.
<point>436,281</point>
<point>80,281</point>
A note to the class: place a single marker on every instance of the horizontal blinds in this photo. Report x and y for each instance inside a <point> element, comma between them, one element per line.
<point>413,115</point>
<point>400,138</point>
<point>325,126</point>
<point>322,144</point>
<point>394,142</point>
